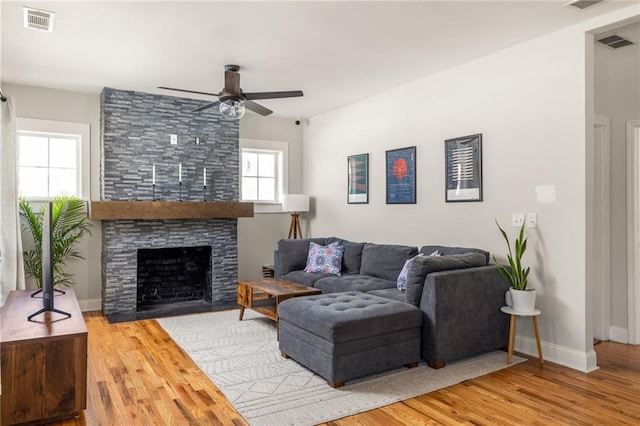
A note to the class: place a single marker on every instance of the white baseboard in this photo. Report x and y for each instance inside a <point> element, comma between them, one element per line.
<point>578,360</point>
<point>90,305</point>
<point>619,334</point>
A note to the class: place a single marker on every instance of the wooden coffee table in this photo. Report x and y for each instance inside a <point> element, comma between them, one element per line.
<point>264,295</point>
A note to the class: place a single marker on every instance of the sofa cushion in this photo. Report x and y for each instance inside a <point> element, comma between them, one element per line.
<point>389,293</point>
<point>324,259</point>
<point>293,253</point>
<point>385,260</point>
<point>352,256</point>
<point>304,278</point>
<point>444,251</point>
<point>424,265</point>
<point>363,283</point>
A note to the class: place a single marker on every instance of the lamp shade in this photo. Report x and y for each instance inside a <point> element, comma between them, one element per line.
<point>295,203</point>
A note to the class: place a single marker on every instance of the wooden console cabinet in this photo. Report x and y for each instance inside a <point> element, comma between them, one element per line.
<point>44,362</point>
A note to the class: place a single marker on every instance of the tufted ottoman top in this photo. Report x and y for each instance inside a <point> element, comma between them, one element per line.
<point>342,317</point>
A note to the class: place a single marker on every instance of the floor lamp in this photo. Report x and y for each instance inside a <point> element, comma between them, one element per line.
<point>295,204</point>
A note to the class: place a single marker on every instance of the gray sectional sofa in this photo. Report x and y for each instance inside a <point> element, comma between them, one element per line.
<point>458,293</point>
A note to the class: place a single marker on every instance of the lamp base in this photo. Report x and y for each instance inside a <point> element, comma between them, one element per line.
<point>294,227</point>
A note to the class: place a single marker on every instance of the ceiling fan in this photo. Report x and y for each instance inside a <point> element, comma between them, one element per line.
<point>232,101</point>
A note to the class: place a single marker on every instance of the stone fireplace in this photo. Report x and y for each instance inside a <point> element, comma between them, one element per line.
<point>136,129</point>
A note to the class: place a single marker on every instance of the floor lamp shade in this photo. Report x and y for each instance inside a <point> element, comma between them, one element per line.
<point>295,204</point>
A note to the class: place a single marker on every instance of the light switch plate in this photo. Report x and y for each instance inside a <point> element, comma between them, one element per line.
<point>173,139</point>
<point>531,220</point>
<point>517,219</point>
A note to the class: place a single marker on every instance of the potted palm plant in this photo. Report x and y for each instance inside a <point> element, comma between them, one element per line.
<point>522,298</point>
<point>69,224</point>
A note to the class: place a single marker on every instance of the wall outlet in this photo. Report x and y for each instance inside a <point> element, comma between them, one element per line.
<point>531,220</point>
<point>173,139</point>
<point>517,219</point>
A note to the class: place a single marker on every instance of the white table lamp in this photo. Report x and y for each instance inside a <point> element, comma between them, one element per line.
<point>295,204</point>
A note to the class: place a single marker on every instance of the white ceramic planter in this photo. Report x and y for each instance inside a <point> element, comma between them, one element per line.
<point>522,300</point>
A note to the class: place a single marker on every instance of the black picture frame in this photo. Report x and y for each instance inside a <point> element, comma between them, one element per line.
<point>401,175</point>
<point>463,169</point>
<point>358,179</point>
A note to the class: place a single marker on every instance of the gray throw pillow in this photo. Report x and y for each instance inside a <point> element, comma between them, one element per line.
<point>352,256</point>
<point>385,260</point>
<point>293,253</point>
<point>424,265</point>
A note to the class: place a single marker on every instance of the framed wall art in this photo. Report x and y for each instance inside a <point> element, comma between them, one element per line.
<point>401,176</point>
<point>463,169</point>
<point>358,179</point>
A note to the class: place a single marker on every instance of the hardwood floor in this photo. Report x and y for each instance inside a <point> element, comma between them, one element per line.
<point>138,376</point>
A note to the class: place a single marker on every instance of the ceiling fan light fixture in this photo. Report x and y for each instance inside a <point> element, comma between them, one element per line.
<point>231,109</point>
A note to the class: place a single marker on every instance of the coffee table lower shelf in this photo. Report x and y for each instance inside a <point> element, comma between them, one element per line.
<point>266,307</point>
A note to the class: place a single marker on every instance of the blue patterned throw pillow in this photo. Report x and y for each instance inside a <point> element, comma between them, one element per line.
<point>404,273</point>
<point>324,259</point>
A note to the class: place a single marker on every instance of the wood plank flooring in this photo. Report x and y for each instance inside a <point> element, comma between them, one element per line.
<point>138,376</point>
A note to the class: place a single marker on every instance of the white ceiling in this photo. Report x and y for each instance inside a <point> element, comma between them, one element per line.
<point>336,52</point>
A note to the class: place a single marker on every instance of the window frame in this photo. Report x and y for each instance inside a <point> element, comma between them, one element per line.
<point>282,171</point>
<point>50,128</point>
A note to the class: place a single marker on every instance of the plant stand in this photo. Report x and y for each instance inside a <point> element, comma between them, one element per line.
<point>512,330</point>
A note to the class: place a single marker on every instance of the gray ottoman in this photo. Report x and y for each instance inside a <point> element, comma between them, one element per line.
<point>342,336</point>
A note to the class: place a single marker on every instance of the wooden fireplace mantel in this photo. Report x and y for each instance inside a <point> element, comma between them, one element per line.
<point>160,210</point>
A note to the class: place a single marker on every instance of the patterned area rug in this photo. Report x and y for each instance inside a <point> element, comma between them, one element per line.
<point>243,360</point>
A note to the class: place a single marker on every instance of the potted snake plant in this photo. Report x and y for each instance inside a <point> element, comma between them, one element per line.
<point>520,297</point>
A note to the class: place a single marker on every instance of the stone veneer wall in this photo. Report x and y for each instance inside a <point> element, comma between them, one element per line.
<point>135,135</point>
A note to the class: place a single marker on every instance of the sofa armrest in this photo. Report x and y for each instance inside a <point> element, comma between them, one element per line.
<point>461,313</point>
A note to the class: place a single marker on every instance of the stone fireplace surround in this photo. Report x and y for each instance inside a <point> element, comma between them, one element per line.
<point>123,239</point>
<point>135,129</point>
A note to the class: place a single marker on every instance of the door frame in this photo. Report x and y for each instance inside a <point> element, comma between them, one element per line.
<point>603,287</point>
<point>633,230</point>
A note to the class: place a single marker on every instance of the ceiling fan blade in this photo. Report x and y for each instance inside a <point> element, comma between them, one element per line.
<point>203,107</point>
<point>188,91</point>
<point>257,108</point>
<point>232,82</point>
<point>273,95</point>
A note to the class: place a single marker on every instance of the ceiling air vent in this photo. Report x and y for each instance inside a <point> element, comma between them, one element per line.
<point>615,41</point>
<point>583,4</point>
<point>38,19</point>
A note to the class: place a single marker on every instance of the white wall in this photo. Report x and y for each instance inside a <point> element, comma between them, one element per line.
<point>617,95</point>
<point>529,103</point>
<point>48,104</point>
<point>257,236</point>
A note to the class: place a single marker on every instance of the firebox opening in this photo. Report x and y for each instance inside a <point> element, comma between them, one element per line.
<point>173,276</point>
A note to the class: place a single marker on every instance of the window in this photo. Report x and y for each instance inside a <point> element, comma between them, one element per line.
<point>50,158</point>
<point>263,173</point>
<point>48,165</point>
<point>259,175</point>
